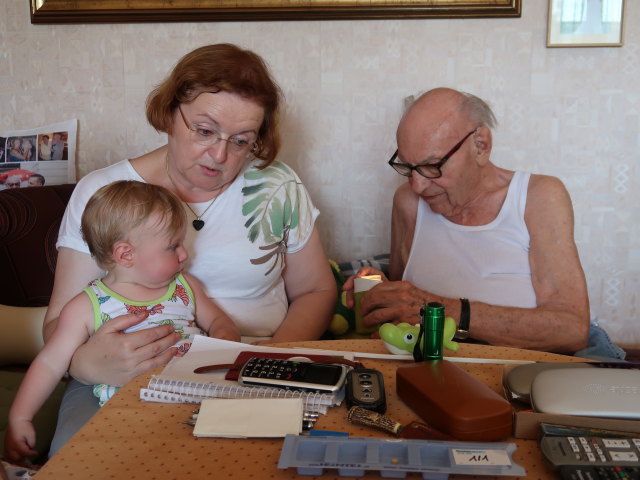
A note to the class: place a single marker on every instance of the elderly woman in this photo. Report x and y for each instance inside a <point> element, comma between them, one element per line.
<point>251,237</point>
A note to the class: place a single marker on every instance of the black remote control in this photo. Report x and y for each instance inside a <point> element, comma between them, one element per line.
<point>591,451</point>
<point>599,473</point>
<point>365,388</point>
<point>583,457</point>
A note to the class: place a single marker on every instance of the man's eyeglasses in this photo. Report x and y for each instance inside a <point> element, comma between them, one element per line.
<point>201,135</point>
<point>428,170</point>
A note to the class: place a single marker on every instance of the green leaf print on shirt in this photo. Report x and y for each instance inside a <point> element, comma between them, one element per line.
<point>273,205</point>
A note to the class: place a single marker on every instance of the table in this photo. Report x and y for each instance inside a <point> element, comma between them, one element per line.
<point>129,438</point>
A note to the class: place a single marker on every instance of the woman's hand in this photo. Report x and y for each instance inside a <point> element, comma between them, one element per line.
<point>348,284</point>
<point>114,357</point>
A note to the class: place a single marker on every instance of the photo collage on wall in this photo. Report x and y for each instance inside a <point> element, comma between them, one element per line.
<point>39,156</point>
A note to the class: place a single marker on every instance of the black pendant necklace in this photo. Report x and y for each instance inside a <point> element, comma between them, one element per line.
<point>198,223</point>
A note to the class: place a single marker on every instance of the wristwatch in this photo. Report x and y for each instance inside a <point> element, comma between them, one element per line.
<point>462,332</point>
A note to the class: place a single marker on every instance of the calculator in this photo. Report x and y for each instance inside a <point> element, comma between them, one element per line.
<point>292,374</point>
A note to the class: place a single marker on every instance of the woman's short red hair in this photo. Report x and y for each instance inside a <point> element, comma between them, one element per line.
<point>220,68</point>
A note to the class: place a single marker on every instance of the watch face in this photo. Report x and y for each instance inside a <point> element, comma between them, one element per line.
<point>461,335</point>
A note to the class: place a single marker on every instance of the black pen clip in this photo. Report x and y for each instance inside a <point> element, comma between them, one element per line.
<point>417,351</point>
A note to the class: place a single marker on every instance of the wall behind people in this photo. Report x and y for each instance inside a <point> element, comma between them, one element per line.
<point>573,113</point>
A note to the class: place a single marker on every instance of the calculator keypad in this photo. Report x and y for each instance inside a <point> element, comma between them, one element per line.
<point>274,369</point>
<point>292,374</point>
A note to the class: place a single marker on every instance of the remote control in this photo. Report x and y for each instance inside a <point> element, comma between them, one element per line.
<point>274,372</point>
<point>599,473</point>
<point>365,388</point>
<point>591,451</point>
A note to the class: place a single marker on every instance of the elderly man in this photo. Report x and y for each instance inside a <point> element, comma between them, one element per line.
<point>44,152</point>
<point>57,147</point>
<point>494,246</point>
<point>13,181</point>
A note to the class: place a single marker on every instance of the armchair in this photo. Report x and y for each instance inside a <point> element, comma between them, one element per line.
<point>29,222</point>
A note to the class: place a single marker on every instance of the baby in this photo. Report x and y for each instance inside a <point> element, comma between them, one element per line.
<point>135,231</point>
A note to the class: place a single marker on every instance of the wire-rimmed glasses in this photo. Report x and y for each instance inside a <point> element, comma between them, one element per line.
<point>238,144</point>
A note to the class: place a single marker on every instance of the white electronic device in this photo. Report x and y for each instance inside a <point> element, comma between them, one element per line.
<point>589,392</point>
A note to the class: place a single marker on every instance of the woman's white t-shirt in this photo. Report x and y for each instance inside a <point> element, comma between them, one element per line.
<point>238,255</point>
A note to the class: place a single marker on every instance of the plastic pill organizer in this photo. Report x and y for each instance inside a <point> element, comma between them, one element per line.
<point>393,458</point>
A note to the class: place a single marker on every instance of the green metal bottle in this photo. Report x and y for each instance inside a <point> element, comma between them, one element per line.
<point>433,325</point>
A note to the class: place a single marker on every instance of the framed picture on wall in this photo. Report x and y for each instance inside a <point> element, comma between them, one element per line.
<point>585,23</point>
<point>132,11</point>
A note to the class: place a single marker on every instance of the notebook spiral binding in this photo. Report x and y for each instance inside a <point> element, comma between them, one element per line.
<point>166,390</point>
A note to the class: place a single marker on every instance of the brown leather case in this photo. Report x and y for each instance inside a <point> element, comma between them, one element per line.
<point>453,401</point>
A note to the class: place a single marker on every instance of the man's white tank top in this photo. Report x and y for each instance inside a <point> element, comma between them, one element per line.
<point>487,263</point>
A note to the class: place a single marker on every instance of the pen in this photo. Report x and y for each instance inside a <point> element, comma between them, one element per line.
<point>327,433</point>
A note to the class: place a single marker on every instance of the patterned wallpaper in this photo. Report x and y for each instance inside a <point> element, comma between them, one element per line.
<point>569,112</point>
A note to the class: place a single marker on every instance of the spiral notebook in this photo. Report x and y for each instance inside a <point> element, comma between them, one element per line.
<point>168,390</point>
<point>178,384</point>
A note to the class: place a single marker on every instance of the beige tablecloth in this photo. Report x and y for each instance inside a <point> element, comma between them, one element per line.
<point>130,439</point>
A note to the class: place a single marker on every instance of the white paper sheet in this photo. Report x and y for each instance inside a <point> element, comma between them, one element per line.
<point>213,351</point>
<point>249,417</point>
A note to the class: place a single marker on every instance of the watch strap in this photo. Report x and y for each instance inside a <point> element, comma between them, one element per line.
<point>462,333</point>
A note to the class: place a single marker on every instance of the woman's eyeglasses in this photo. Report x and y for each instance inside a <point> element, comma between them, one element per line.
<point>201,135</point>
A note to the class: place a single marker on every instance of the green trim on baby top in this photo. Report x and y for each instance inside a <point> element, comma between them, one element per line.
<point>95,301</point>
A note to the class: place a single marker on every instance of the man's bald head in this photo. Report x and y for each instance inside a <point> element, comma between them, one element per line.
<point>437,120</point>
<point>446,105</point>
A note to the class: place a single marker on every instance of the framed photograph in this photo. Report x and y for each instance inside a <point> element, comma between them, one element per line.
<point>141,11</point>
<point>585,23</point>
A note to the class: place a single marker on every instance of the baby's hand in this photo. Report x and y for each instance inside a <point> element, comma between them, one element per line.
<point>19,440</point>
<point>226,331</point>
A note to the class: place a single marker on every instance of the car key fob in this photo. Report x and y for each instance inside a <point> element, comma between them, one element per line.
<point>365,388</point>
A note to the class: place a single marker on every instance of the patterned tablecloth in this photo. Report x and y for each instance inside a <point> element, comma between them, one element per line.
<point>129,438</point>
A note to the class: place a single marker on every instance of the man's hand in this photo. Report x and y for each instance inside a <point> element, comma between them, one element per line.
<point>114,357</point>
<point>392,302</point>
<point>348,284</point>
<point>18,441</point>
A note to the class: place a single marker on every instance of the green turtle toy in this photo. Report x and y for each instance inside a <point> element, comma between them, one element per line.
<point>401,338</point>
